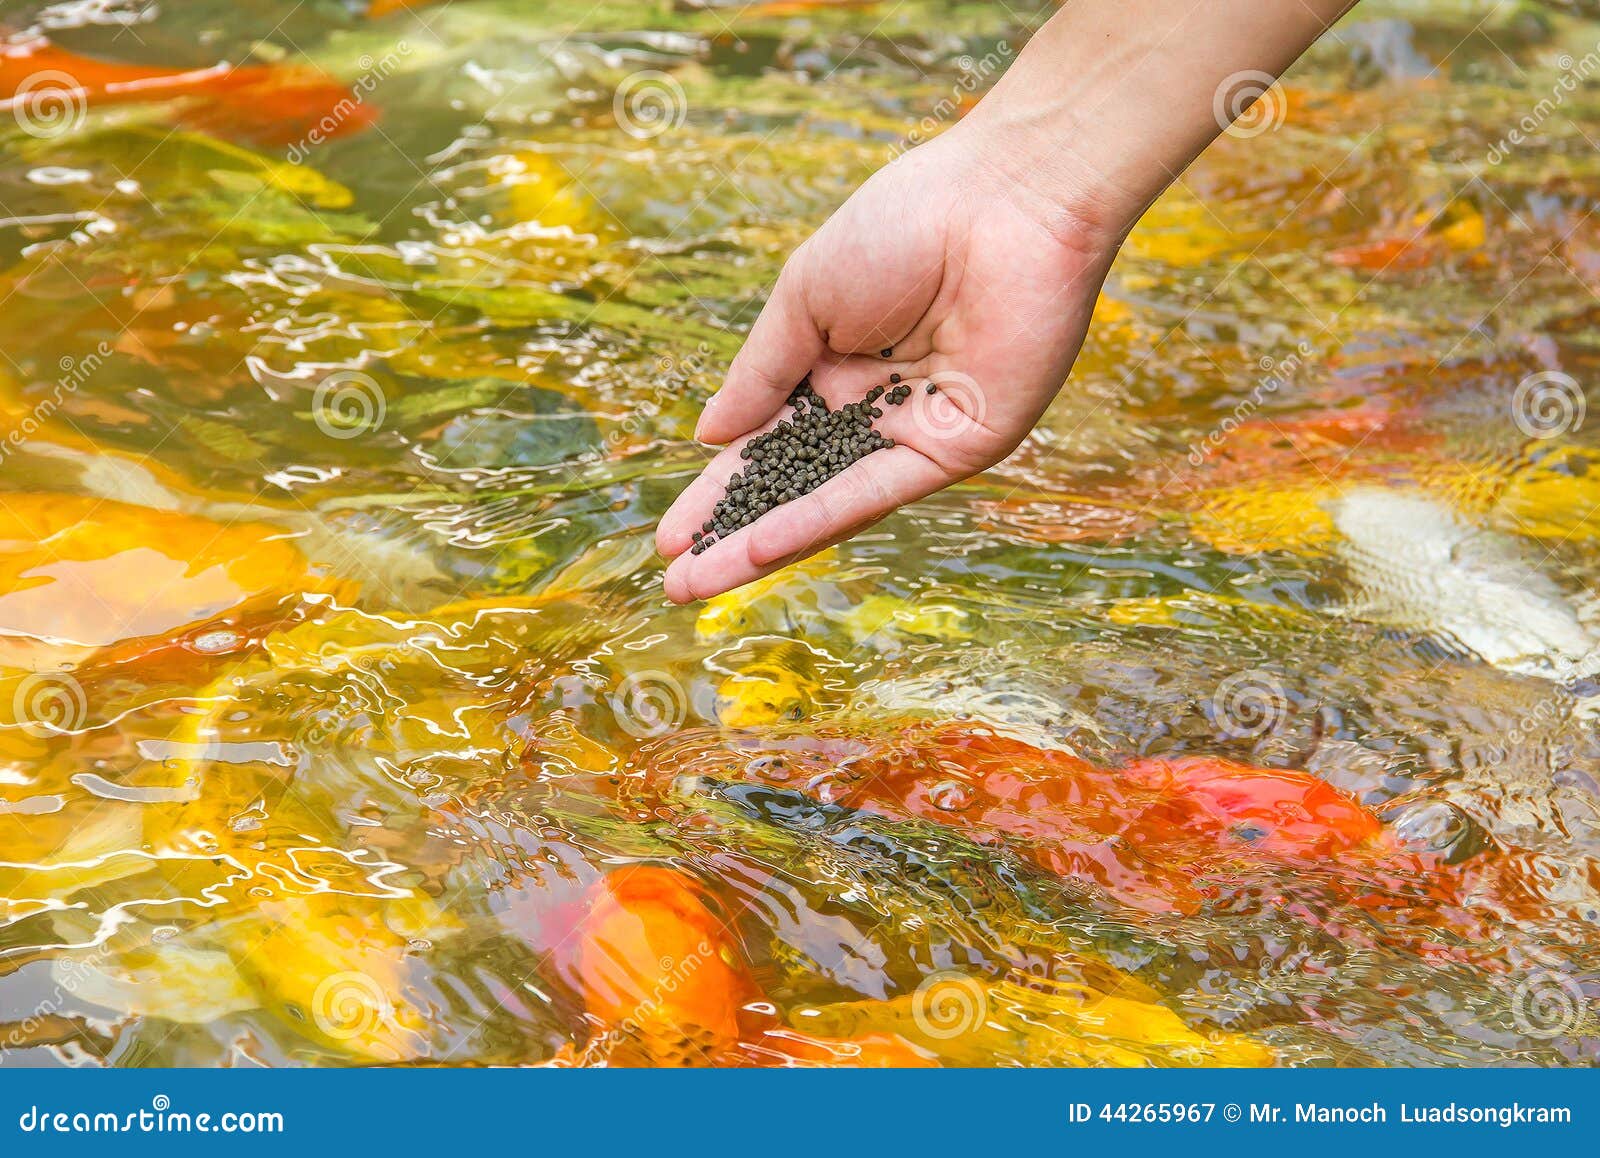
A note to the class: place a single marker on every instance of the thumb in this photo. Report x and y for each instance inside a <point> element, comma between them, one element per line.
<point>783,346</point>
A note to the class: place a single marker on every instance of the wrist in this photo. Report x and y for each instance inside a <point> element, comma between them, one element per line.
<point>1040,160</point>
<point>1112,99</point>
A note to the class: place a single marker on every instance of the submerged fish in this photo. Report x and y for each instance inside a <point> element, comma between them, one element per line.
<point>664,980</point>
<point>659,971</point>
<point>1162,836</point>
<point>973,1022</point>
<point>272,104</point>
<point>172,981</point>
<point>78,575</point>
<point>1420,566</point>
<point>662,976</point>
<point>334,972</point>
<point>819,596</point>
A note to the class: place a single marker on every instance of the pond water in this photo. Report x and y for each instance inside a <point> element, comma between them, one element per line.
<point>1245,716</point>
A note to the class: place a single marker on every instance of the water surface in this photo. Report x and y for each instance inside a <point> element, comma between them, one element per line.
<point>1245,716</point>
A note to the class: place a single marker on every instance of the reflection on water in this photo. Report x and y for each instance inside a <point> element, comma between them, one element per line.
<point>1246,716</point>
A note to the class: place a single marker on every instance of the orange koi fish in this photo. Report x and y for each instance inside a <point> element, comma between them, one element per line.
<point>1161,836</point>
<point>267,104</point>
<point>659,971</point>
<point>663,978</point>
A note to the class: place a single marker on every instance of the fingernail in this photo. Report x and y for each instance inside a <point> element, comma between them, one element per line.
<point>705,414</point>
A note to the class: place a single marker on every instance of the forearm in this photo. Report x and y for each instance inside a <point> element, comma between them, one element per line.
<point>1112,99</point>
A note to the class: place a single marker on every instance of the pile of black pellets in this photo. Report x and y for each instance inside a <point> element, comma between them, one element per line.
<point>801,453</point>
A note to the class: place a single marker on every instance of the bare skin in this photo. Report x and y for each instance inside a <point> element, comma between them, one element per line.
<point>976,258</point>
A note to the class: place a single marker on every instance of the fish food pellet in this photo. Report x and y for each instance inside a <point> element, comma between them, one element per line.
<point>886,352</point>
<point>797,456</point>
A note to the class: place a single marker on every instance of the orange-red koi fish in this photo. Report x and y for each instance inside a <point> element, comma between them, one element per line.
<point>268,104</point>
<point>663,979</point>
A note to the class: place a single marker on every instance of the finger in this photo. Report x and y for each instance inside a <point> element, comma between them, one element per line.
<point>839,378</point>
<point>841,507</point>
<point>693,506</point>
<point>845,378</point>
<point>782,346</point>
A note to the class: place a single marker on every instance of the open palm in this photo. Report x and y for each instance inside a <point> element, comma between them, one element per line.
<point>946,263</point>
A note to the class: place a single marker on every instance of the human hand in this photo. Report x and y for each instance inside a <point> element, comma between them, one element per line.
<point>975,261</point>
<point>975,282</point>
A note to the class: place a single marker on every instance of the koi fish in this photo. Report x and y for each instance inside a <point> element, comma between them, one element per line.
<point>172,981</point>
<point>812,597</point>
<point>265,103</point>
<point>1152,834</point>
<point>659,972</point>
<point>969,1021</point>
<point>78,575</point>
<point>664,980</point>
<point>1419,566</point>
<point>1162,836</point>
<point>334,973</point>
<point>766,693</point>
